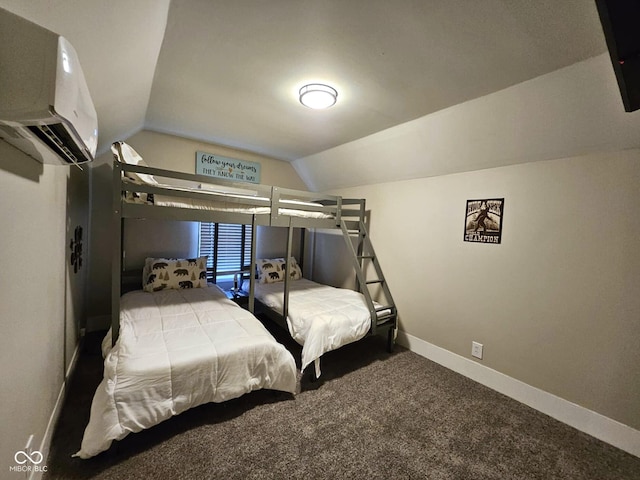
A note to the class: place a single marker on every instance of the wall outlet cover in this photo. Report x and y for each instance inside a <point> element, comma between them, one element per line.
<point>476,349</point>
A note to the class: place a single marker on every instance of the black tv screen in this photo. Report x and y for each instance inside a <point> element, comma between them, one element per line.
<point>620,21</point>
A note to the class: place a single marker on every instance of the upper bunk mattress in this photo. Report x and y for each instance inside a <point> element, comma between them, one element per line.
<point>186,193</point>
<point>178,349</point>
<point>224,202</point>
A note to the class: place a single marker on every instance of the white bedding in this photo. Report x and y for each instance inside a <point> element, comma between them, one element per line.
<point>178,349</point>
<point>320,317</point>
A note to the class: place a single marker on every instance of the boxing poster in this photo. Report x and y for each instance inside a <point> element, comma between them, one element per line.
<point>483,220</point>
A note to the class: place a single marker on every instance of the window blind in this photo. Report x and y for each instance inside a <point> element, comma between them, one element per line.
<point>228,247</point>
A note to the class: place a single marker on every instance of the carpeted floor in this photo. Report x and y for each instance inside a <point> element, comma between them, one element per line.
<point>372,415</point>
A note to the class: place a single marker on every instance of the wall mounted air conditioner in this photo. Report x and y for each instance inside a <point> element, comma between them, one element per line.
<point>45,107</point>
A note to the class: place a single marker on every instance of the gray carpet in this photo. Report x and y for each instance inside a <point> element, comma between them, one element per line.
<point>371,415</point>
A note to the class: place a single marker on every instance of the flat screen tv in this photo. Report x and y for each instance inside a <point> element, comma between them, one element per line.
<point>621,25</point>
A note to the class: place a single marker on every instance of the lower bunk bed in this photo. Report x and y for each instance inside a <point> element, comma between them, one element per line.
<point>319,317</point>
<point>177,349</point>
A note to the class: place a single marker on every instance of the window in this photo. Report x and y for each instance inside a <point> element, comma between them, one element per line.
<point>228,247</point>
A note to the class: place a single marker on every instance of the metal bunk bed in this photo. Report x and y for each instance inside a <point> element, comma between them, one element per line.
<point>257,205</point>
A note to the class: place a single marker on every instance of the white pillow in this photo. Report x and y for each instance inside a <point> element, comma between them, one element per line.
<point>126,154</point>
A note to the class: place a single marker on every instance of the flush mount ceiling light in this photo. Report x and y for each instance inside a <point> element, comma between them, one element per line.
<point>318,96</point>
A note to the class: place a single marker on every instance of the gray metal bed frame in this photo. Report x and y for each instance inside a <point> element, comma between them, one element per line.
<point>346,214</point>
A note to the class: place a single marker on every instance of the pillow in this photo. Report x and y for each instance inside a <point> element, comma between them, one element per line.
<point>177,273</point>
<point>126,154</point>
<point>271,270</point>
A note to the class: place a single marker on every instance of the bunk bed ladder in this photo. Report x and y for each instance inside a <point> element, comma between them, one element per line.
<point>365,261</point>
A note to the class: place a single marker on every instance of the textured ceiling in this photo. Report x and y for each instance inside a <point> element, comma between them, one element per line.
<point>227,72</point>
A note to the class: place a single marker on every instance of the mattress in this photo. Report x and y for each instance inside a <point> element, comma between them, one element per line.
<point>321,318</point>
<point>178,349</point>
<point>223,202</point>
<point>222,198</point>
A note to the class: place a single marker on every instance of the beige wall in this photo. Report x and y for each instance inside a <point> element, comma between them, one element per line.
<point>158,238</point>
<point>556,305</point>
<point>41,299</point>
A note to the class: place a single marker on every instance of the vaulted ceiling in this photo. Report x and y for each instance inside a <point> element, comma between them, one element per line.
<point>228,71</point>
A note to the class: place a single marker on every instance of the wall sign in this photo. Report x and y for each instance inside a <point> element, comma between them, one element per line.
<point>227,168</point>
<point>483,220</point>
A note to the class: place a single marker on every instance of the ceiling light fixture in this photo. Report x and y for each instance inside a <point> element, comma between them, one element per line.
<point>318,96</point>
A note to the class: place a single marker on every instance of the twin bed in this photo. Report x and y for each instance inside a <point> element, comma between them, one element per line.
<point>180,342</point>
<point>180,348</point>
<point>321,318</point>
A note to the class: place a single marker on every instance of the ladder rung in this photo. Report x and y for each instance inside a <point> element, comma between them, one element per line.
<point>382,309</point>
<point>366,256</point>
<point>375,281</point>
<point>385,319</point>
<point>351,224</point>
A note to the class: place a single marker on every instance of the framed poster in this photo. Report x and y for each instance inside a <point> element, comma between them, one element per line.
<point>483,220</point>
<point>226,168</point>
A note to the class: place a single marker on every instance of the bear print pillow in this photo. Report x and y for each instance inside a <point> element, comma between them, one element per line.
<point>177,273</point>
<point>271,270</point>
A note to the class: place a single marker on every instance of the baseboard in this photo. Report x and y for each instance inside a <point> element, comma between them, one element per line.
<point>583,419</point>
<point>45,445</point>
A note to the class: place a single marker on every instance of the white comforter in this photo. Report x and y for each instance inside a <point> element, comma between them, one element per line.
<point>178,349</point>
<point>320,317</point>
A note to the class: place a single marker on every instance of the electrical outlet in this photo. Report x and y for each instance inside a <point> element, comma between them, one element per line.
<point>476,350</point>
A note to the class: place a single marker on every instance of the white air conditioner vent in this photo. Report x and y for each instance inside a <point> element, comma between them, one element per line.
<point>58,140</point>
